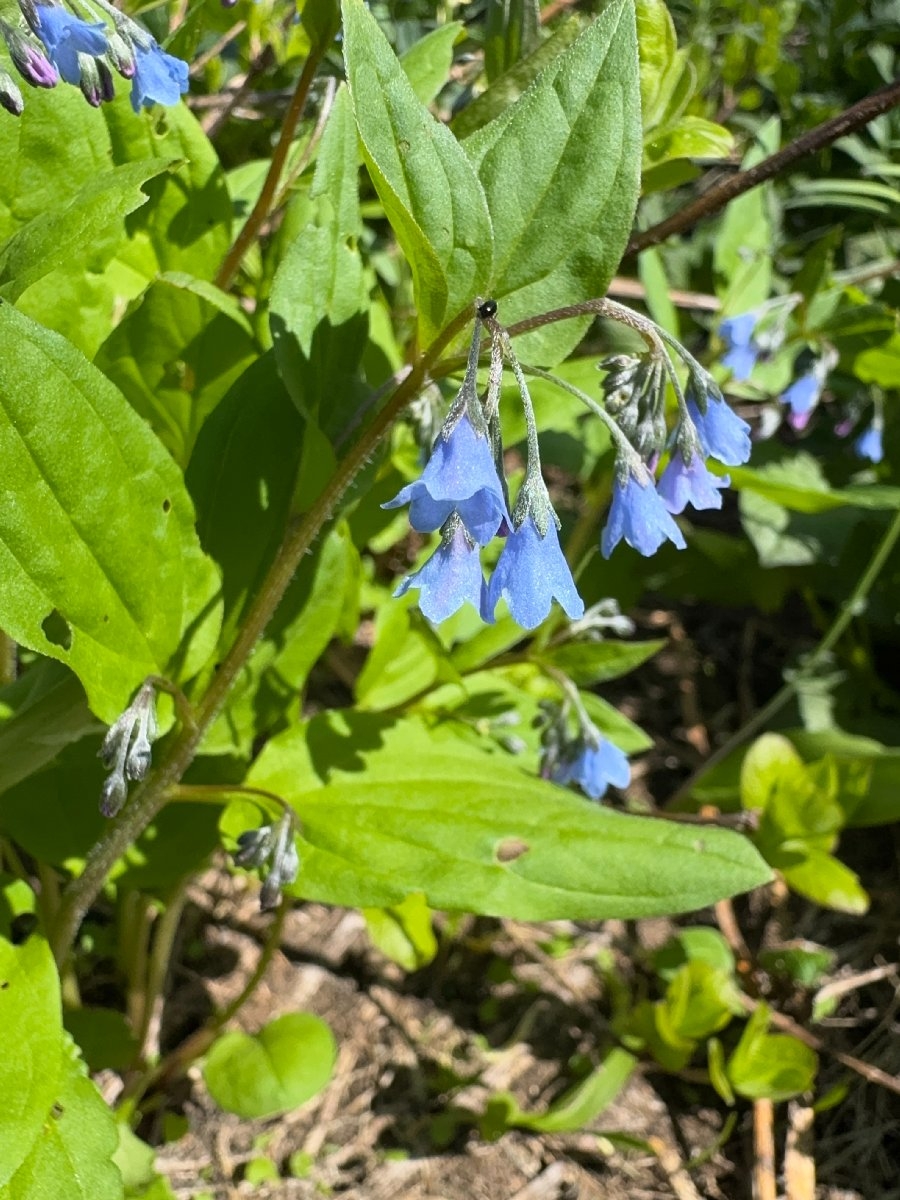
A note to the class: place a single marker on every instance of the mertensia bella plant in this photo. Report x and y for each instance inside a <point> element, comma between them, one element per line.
<point>207,479</point>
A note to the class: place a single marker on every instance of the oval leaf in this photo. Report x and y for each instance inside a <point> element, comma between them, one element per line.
<point>403,811</point>
<point>100,560</point>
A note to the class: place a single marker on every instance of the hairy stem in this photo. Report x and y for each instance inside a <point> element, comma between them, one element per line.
<point>180,749</point>
<point>715,197</point>
<point>263,205</point>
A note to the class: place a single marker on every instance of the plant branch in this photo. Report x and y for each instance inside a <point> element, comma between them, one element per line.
<point>263,205</point>
<point>718,195</point>
<point>147,800</point>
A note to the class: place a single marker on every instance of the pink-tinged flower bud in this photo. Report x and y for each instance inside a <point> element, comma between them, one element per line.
<point>121,54</point>
<point>28,58</point>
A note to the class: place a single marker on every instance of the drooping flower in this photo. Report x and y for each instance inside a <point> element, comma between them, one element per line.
<point>159,78</point>
<point>638,515</point>
<point>869,444</point>
<point>722,433</point>
<point>530,574</point>
<point>461,476</point>
<point>65,36</point>
<point>593,766</point>
<point>803,395</point>
<point>450,577</point>
<point>684,483</point>
<point>741,351</point>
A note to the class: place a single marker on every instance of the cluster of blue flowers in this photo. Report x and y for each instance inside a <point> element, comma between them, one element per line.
<point>462,491</point>
<point>53,42</point>
<point>747,338</point>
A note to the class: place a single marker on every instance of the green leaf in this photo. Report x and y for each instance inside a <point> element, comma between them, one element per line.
<point>318,310</point>
<point>506,90</point>
<point>427,62</point>
<point>428,188</point>
<point>30,1068</point>
<point>558,240</point>
<point>694,945</point>
<point>581,1104</point>
<point>406,660</point>
<point>175,355</point>
<point>241,477</point>
<point>104,1037</point>
<point>98,551</point>
<point>60,148</point>
<point>41,713</point>
<point>404,933</point>
<point>72,1154</point>
<point>798,484</point>
<point>701,999</point>
<point>873,800</point>
<point>774,1066</point>
<point>49,239</point>
<point>590,663</point>
<point>388,808</point>
<point>800,962</point>
<point>273,1071</point>
<point>820,877</point>
<point>770,765</point>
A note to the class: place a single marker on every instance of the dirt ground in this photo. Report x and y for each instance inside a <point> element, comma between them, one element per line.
<point>523,1008</point>
<point>494,1012</point>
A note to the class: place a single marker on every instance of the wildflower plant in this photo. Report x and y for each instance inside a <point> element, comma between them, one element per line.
<point>204,378</point>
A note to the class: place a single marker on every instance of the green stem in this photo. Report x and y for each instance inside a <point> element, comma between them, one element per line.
<point>151,795</point>
<point>194,1046</point>
<point>851,608</point>
<point>263,205</point>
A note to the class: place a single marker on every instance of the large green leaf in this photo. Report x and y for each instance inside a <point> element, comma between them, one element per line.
<point>318,310</point>
<point>175,355</point>
<point>387,808</point>
<point>33,1045</point>
<point>58,150</point>
<point>101,564</point>
<point>49,239</point>
<point>241,477</point>
<point>561,171</point>
<point>430,193</point>
<point>72,1154</point>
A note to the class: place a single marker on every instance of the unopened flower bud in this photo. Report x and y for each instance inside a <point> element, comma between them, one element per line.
<point>121,54</point>
<point>126,750</point>
<point>10,96</point>
<point>90,82</point>
<point>113,794</point>
<point>255,847</point>
<point>272,844</point>
<point>28,58</point>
